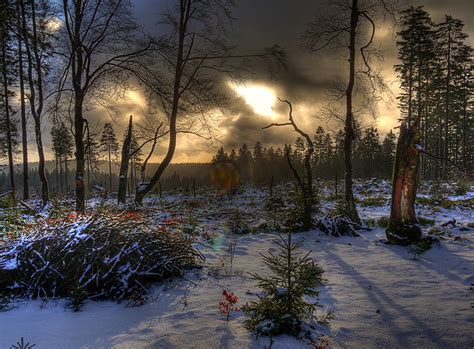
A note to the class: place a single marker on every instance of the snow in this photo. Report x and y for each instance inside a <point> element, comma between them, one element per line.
<point>9,264</point>
<point>380,296</point>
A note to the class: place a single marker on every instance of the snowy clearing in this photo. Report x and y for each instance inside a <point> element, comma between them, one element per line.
<point>380,296</point>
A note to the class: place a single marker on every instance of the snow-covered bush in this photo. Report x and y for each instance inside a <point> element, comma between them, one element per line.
<point>283,307</point>
<point>338,225</point>
<point>105,256</point>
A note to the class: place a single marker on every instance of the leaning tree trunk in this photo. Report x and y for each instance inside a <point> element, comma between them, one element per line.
<point>122,189</point>
<point>404,227</point>
<point>351,209</point>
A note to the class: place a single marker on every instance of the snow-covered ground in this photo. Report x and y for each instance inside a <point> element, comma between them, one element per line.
<point>380,296</point>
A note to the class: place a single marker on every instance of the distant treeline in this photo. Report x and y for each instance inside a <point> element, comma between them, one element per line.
<point>176,176</point>
<point>373,157</point>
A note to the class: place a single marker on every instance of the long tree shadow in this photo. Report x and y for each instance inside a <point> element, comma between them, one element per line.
<point>385,301</point>
<point>439,268</point>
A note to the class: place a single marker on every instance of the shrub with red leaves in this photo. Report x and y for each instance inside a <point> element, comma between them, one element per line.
<point>228,304</point>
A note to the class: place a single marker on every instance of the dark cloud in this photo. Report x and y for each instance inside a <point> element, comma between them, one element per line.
<point>264,23</point>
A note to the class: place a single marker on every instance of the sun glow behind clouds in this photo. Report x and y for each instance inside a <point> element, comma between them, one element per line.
<point>260,98</point>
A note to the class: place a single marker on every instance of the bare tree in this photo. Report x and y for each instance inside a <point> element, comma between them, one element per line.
<point>196,55</point>
<point>37,48</point>
<point>346,26</point>
<point>306,187</point>
<point>100,46</point>
<point>21,80</point>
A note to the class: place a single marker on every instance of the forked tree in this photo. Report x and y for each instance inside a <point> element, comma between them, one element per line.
<point>192,60</point>
<point>305,183</point>
<point>99,48</point>
<point>351,25</point>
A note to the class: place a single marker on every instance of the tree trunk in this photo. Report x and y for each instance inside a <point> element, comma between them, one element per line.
<point>65,176</point>
<point>8,121</point>
<point>24,139</point>
<point>61,186</point>
<point>57,173</point>
<point>144,189</point>
<point>351,209</point>
<point>447,107</point>
<point>122,189</point>
<point>36,109</point>
<point>110,172</point>
<point>80,154</point>
<point>403,227</point>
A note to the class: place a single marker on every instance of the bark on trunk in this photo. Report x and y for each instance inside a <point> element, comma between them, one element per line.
<point>351,209</point>
<point>65,176</point>
<point>24,140</point>
<point>80,154</point>
<point>122,189</point>
<point>404,228</point>
<point>110,172</point>
<point>7,117</point>
<point>145,189</point>
<point>36,87</point>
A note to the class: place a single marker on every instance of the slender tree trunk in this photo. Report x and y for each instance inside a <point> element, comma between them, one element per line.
<point>66,175</point>
<point>36,85</point>
<point>57,173</point>
<point>110,172</point>
<point>122,189</point>
<point>143,190</point>
<point>24,139</point>
<point>8,121</point>
<point>447,107</point>
<point>61,186</point>
<point>80,154</point>
<point>403,226</point>
<point>349,123</point>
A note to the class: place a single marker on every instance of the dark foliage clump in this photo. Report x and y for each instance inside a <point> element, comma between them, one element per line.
<point>106,256</point>
<point>283,307</point>
<point>295,210</point>
<point>420,247</point>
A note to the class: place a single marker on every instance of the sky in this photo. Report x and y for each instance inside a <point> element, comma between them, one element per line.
<point>305,82</point>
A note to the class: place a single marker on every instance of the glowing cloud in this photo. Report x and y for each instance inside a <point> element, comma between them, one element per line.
<point>136,98</point>
<point>260,98</point>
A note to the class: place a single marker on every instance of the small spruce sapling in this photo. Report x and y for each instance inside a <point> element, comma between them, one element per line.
<point>422,246</point>
<point>283,307</point>
<point>22,345</point>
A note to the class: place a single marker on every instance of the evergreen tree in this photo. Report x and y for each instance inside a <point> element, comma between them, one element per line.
<point>109,146</point>
<point>415,53</point>
<point>245,163</point>
<point>62,149</point>
<point>283,307</point>
<point>7,79</point>
<point>388,152</point>
<point>233,156</point>
<point>220,157</point>
<point>259,161</point>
